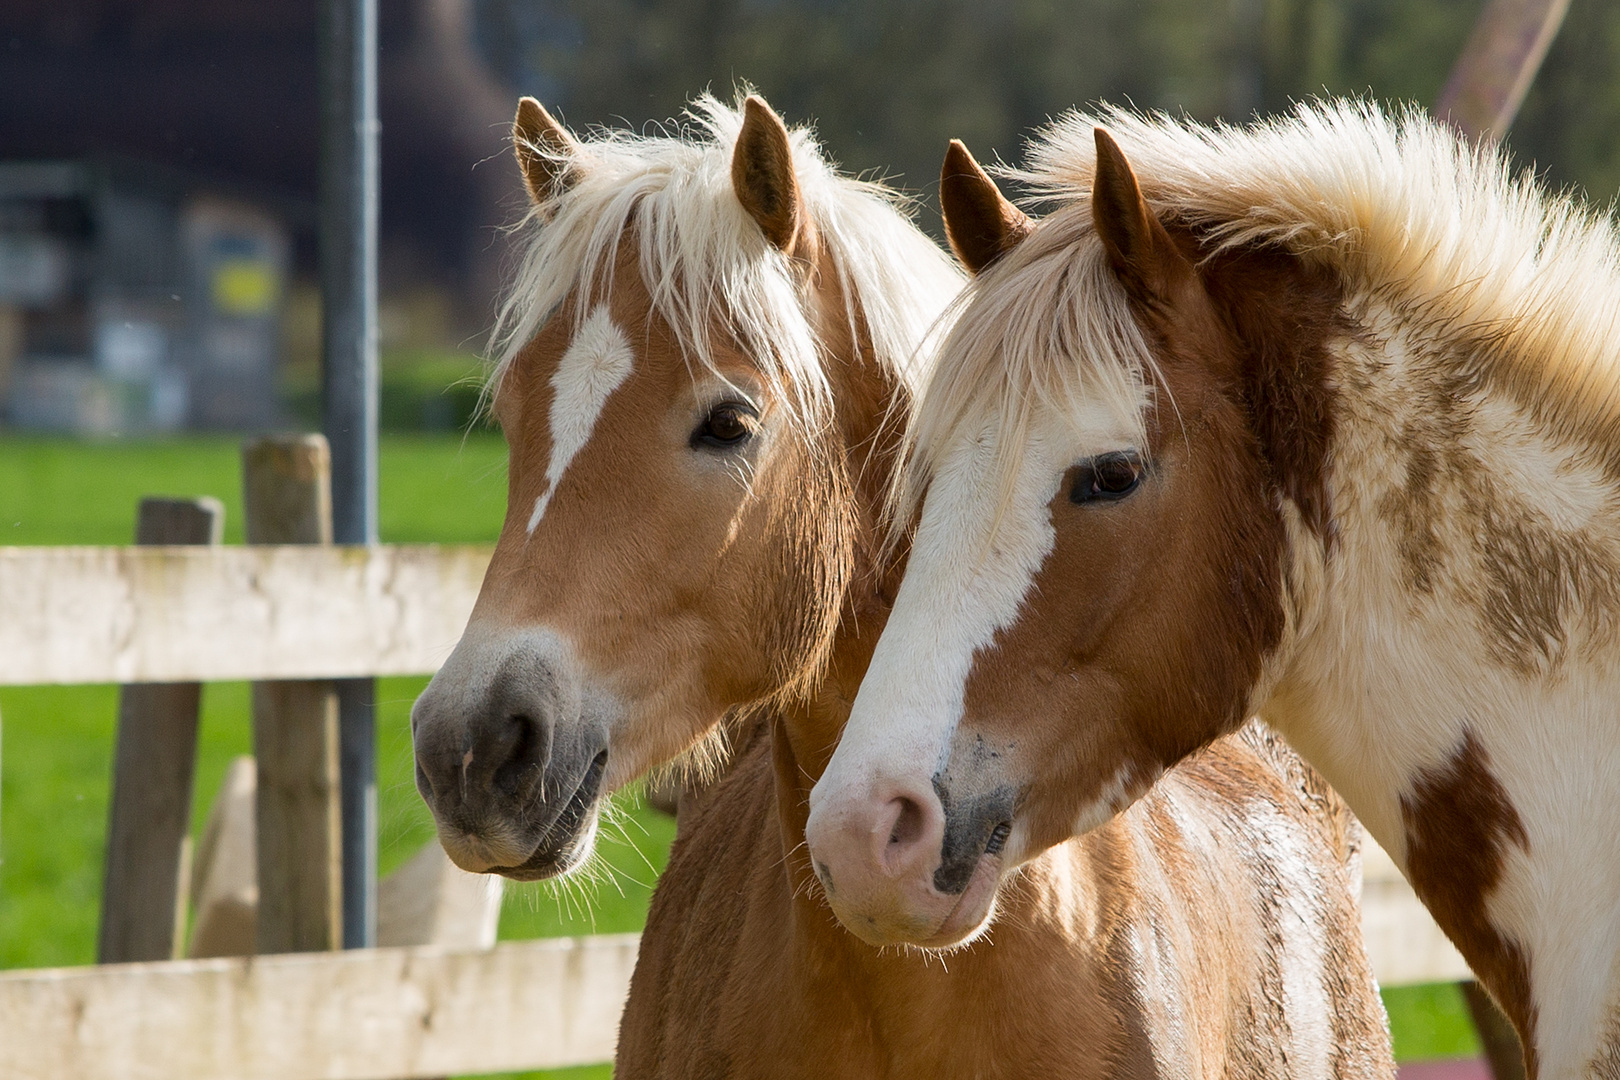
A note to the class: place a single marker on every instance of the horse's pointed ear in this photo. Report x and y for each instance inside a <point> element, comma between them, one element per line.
<point>762,175</point>
<point>547,152</point>
<point>980,223</point>
<point>1141,252</point>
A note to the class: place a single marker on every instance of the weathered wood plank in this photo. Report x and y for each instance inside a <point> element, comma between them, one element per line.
<point>225,884</point>
<point>143,905</point>
<point>369,1014</point>
<point>426,901</point>
<point>176,614</point>
<point>365,1014</point>
<point>298,838</point>
<point>431,901</point>
<point>287,498</point>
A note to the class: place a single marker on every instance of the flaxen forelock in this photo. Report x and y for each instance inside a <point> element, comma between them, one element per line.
<point>1399,205</point>
<point>708,266</point>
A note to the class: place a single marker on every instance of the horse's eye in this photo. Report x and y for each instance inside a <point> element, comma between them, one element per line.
<point>1106,476</point>
<point>729,423</point>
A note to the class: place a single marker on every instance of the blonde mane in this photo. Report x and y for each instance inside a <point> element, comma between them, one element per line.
<point>707,264</point>
<point>1522,286</point>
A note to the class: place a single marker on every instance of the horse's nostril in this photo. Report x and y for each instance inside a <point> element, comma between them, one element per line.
<point>524,757</point>
<point>908,826</point>
<point>998,838</point>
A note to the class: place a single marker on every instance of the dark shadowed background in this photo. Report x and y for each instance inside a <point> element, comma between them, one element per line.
<point>225,89</point>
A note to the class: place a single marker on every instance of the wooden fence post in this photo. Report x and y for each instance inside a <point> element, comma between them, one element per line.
<point>149,816</point>
<point>1498,63</point>
<point>287,495</point>
<point>225,875</point>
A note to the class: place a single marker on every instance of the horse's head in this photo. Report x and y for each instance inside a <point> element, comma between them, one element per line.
<point>679,526</point>
<point>1095,581</point>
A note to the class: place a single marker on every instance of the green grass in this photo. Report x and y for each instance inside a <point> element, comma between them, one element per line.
<point>57,748</point>
<point>58,740</point>
<point>419,390</point>
<point>432,488</point>
<point>1430,1022</point>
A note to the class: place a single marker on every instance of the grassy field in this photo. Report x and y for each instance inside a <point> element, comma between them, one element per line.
<point>58,740</point>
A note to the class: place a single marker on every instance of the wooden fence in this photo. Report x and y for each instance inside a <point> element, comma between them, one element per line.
<point>363,1014</point>
<point>174,614</point>
<point>168,614</point>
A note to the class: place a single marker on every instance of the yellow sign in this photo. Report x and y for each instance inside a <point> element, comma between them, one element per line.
<point>245,287</point>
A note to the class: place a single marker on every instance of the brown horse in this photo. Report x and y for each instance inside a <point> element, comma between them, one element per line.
<point>1212,932</point>
<point>1318,419</point>
<point>678,532</point>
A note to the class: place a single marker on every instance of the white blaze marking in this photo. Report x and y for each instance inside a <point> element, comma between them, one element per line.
<point>596,363</point>
<point>966,579</point>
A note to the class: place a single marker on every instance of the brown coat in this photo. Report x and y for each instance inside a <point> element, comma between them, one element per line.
<point>1167,942</point>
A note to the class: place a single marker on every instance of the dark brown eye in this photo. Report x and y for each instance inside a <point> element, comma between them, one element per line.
<point>1106,476</point>
<point>728,424</point>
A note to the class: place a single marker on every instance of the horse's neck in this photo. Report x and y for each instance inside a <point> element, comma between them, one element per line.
<point>870,412</point>
<point>811,726</point>
<point>1472,582</point>
<point>1452,651</point>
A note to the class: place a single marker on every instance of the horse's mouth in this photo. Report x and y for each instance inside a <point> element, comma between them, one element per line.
<point>972,912</point>
<point>566,841</point>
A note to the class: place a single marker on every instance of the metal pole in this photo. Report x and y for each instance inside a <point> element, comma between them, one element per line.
<point>348,258</point>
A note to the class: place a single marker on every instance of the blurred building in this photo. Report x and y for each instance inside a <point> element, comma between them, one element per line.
<point>150,149</point>
<point>136,299</point>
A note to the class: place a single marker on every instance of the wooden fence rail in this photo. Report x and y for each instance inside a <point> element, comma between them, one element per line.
<point>183,614</point>
<point>407,1013</point>
<point>177,614</point>
<point>364,1014</point>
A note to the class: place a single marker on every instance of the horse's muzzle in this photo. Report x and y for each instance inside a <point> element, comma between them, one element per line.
<point>908,866</point>
<point>506,761</point>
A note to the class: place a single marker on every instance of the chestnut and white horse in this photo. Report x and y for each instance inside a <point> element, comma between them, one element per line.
<point>1319,419</point>
<point>693,530</point>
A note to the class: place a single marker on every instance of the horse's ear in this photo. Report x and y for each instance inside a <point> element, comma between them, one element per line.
<point>546,151</point>
<point>980,223</point>
<point>1141,252</point>
<point>762,175</point>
